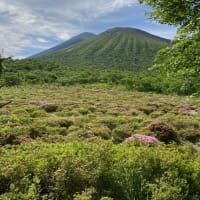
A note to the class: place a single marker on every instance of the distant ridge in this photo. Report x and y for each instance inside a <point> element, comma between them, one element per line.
<point>116,48</point>
<point>128,30</point>
<point>74,40</point>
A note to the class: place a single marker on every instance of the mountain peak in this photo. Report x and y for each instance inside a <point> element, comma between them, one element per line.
<point>116,48</point>
<point>122,30</point>
<point>131,31</point>
<point>74,40</point>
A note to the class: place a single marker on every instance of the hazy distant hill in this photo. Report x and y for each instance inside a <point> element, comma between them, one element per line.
<point>66,44</point>
<point>119,48</point>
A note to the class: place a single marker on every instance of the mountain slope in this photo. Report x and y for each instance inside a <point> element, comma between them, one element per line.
<point>118,48</point>
<point>75,40</point>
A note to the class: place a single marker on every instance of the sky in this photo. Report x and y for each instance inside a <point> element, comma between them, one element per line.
<point>31,26</point>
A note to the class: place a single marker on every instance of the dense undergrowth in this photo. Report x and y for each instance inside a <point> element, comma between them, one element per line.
<point>30,71</point>
<point>69,142</point>
<point>57,113</point>
<point>98,170</point>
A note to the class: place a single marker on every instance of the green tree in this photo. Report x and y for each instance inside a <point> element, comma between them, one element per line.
<point>182,58</point>
<point>1,71</point>
<point>2,60</point>
<point>1,64</point>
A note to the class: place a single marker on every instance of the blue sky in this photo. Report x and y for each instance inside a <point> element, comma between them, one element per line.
<point>30,26</point>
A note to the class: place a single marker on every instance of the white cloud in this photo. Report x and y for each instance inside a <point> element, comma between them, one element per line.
<point>121,3</point>
<point>26,21</point>
<point>42,40</point>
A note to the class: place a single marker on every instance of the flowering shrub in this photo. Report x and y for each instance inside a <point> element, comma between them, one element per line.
<point>162,131</point>
<point>143,138</point>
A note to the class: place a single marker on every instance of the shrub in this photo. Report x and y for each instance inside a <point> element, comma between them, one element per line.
<point>49,107</point>
<point>87,194</point>
<point>32,78</point>
<point>37,131</point>
<point>142,138</point>
<point>38,113</point>
<point>12,80</point>
<point>163,132</point>
<point>98,170</point>
<point>62,122</point>
<point>22,138</point>
<point>121,132</point>
<point>190,134</point>
<point>6,138</point>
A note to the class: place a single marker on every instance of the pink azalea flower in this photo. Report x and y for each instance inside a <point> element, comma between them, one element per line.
<point>143,138</point>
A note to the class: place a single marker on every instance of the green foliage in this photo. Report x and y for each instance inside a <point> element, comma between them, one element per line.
<point>106,198</point>
<point>56,113</point>
<point>49,107</point>
<point>16,73</point>
<point>177,12</point>
<point>12,80</point>
<point>78,151</point>
<point>180,64</point>
<point>87,171</point>
<point>1,64</point>
<point>181,60</point>
<point>85,195</point>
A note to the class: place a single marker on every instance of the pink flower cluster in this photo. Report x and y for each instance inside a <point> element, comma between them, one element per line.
<point>143,138</point>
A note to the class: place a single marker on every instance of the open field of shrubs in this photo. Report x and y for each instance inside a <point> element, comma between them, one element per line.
<point>98,170</point>
<point>53,113</point>
<point>97,142</point>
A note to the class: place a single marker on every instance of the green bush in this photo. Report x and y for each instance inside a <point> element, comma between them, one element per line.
<point>49,107</point>
<point>98,170</point>
<point>40,72</point>
<point>88,194</point>
<point>12,80</point>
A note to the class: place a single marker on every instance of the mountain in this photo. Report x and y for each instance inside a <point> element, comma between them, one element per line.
<point>66,44</point>
<point>117,48</point>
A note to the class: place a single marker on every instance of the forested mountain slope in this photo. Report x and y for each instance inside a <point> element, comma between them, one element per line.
<point>74,40</point>
<point>118,48</point>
